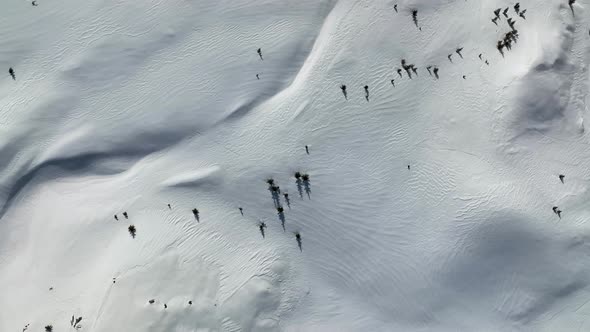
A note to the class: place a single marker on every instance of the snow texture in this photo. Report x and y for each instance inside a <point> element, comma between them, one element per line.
<point>428,205</point>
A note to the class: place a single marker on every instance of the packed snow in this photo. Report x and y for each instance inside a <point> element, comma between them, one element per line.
<point>454,200</point>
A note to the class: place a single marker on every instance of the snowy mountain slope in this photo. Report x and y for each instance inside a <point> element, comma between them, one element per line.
<point>121,106</point>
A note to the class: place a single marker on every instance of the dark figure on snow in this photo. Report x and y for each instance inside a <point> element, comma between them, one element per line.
<point>511,23</point>
<point>497,13</point>
<point>125,215</point>
<point>169,206</point>
<point>116,218</point>
<point>196,214</point>
<point>343,88</point>
<point>505,12</point>
<point>190,302</point>
<point>458,51</point>
<point>257,77</point>
<point>165,306</point>
<point>429,70</point>
<point>399,72</point>
<point>500,47</point>
<point>415,16</point>
<point>464,77</point>
<point>495,20</point>
<point>395,8</point>
<point>435,71</point>
<point>571,4</point>
<point>517,7</point>
<point>522,14</point>
<point>298,238</point>
<point>449,56</point>
<point>241,211</point>
<point>12,74</point>
<point>561,177</point>
<point>34,3</point>
<point>480,56</point>
<point>367,92</point>
<point>262,226</point>
<point>414,69</point>
<point>393,83</point>
<point>307,149</point>
<point>408,167</point>
<point>260,53</point>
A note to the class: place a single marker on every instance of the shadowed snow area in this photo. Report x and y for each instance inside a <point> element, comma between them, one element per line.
<point>424,203</point>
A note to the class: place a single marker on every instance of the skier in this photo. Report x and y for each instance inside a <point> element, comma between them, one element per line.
<point>190,302</point>
<point>459,52</point>
<point>505,12</point>
<point>449,56</point>
<point>241,211</point>
<point>343,88</point>
<point>464,77</point>
<point>34,3</point>
<point>260,53</point>
<point>497,13</point>
<point>414,69</point>
<point>307,149</point>
<point>517,7</point>
<point>367,92</point>
<point>522,14</point>
<point>169,206</point>
<point>11,72</point>
<point>511,23</point>
<point>262,226</point>
<point>257,77</point>
<point>116,218</point>
<point>125,215</point>
<point>500,46</point>
<point>429,71</point>
<point>393,83</point>
<point>435,71</point>
<point>395,8</point>
<point>298,238</point>
<point>480,56</point>
<point>415,16</point>
<point>196,214</point>
<point>495,20</point>
<point>408,167</point>
<point>561,177</point>
<point>399,72</point>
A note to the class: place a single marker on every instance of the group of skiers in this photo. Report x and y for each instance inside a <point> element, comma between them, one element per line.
<point>511,36</point>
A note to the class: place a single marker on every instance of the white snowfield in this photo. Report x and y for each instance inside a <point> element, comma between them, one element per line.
<point>127,106</point>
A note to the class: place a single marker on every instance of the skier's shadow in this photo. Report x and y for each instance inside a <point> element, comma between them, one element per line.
<point>299,187</point>
<point>307,187</point>
<point>282,219</point>
<point>276,197</point>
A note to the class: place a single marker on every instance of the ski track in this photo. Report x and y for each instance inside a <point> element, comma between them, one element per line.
<point>124,106</point>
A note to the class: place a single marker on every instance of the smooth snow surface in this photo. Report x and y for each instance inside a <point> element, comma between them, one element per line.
<point>132,105</point>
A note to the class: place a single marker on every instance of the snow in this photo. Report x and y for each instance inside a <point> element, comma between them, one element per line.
<point>129,106</point>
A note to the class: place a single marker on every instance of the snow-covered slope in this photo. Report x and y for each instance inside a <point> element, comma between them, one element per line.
<point>125,106</point>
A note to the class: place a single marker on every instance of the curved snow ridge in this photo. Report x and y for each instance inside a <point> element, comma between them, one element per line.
<point>209,175</point>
